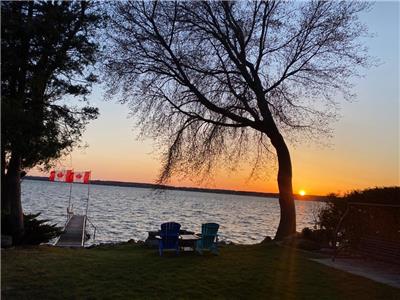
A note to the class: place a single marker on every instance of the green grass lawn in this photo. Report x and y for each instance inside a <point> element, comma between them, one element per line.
<point>134,272</point>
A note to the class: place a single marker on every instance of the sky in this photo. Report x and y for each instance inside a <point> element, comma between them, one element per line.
<point>364,150</point>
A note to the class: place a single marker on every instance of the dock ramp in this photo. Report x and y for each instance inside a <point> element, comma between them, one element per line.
<point>74,232</point>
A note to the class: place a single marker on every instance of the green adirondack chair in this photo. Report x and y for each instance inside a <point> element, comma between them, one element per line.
<point>209,238</point>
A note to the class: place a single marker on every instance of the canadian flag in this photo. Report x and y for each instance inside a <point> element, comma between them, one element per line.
<point>61,175</point>
<point>81,177</point>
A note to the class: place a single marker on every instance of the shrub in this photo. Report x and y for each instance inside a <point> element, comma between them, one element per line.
<point>383,195</point>
<point>319,236</point>
<point>38,231</point>
<point>371,217</point>
<point>329,216</point>
<point>306,233</point>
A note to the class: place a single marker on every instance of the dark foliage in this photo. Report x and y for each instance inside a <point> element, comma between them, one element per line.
<point>372,219</point>
<point>329,216</point>
<point>384,195</point>
<point>320,237</point>
<point>48,50</point>
<point>38,231</point>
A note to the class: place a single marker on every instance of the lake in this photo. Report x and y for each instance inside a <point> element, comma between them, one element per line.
<point>123,213</point>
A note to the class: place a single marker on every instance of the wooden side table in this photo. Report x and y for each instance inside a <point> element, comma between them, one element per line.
<point>188,241</point>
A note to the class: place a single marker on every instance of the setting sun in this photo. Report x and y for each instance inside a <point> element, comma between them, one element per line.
<point>302,192</point>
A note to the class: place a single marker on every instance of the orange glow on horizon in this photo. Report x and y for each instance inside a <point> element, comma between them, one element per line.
<point>147,170</point>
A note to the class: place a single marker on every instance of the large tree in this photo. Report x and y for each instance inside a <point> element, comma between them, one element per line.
<point>214,79</point>
<point>46,49</point>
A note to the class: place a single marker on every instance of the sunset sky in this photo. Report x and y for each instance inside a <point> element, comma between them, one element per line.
<point>364,151</point>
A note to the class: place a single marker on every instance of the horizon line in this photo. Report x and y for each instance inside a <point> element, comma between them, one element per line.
<point>187,188</point>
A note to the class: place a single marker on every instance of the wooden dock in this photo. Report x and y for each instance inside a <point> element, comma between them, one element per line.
<point>74,232</point>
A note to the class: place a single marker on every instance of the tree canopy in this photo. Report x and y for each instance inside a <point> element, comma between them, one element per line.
<point>48,52</point>
<point>223,79</point>
<point>207,75</point>
<point>46,49</point>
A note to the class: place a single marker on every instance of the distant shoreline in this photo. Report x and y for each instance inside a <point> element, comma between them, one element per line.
<point>189,189</point>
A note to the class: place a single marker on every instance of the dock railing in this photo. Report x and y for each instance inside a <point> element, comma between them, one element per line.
<point>94,230</point>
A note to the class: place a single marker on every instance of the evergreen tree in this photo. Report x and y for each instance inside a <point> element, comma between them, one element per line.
<point>48,53</point>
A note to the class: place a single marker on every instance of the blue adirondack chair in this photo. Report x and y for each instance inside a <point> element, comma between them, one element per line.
<point>169,237</point>
<point>209,238</point>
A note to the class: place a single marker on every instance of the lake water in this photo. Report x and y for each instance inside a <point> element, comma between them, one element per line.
<point>123,213</point>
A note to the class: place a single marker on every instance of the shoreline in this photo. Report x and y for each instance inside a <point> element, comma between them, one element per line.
<point>190,189</point>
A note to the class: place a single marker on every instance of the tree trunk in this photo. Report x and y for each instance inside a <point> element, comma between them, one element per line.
<point>287,223</point>
<point>3,190</point>
<point>13,208</point>
<point>3,176</point>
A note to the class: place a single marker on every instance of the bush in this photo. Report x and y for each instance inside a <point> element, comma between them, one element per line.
<point>38,231</point>
<point>371,217</point>
<point>319,236</point>
<point>384,195</point>
<point>329,216</point>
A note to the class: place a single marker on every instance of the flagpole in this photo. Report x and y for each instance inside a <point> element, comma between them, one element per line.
<point>87,207</point>
<point>70,194</point>
<point>88,195</point>
<point>69,200</point>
